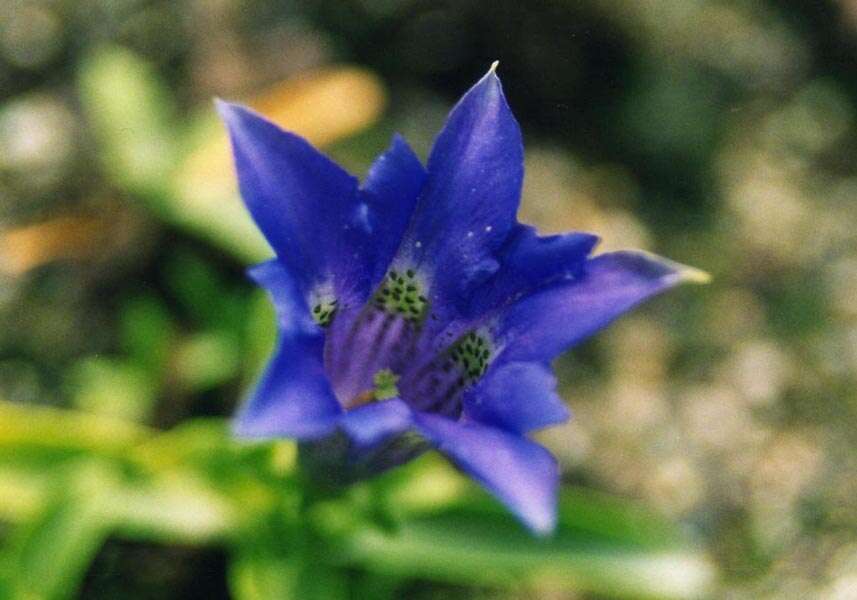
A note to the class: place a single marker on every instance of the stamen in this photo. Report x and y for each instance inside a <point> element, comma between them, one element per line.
<point>385,384</point>
<point>402,294</point>
<point>385,352</point>
<point>323,311</point>
<point>471,353</point>
<point>438,386</point>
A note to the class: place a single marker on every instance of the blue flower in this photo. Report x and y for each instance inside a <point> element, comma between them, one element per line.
<point>414,311</point>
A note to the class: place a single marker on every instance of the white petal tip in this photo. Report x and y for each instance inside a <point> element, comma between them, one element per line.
<point>678,272</point>
<point>543,529</point>
<point>221,105</point>
<point>692,275</point>
<point>228,111</point>
<point>493,68</point>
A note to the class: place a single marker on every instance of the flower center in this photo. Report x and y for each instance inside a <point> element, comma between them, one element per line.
<point>438,385</point>
<point>384,351</point>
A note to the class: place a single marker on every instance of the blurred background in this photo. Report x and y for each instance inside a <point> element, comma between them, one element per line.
<point>718,133</point>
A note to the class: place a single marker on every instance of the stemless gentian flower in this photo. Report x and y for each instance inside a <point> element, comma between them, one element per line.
<point>414,311</point>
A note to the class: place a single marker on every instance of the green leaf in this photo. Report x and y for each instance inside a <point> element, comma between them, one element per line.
<point>260,336</point>
<point>602,545</point>
<point>47,557</point>
<point>180,506</point>
<point>206,360</point>
<point>46,430</point>
<point>275,560</point>
<point>378,586</point>
<point>132,115</point>
<point>113,387</point>
<point>182,170</point>
<point>130,110</point>
<point>256,574</point>
<point>148,332</point>
<point>22,492</point>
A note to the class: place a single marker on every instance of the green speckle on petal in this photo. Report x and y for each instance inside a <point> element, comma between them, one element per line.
<point>472,354</point>
<point>323,311</point>
<point>402,293</point>
<point>385,384</point>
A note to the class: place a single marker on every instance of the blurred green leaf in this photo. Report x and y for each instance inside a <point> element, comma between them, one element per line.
<point>113,387</point>
<point>131,112</point>
<point>22,491</point>
<point>192,484</point>
<point>197,285</point>
<point>378,586</point>
<point>178,169</point>
<point>48,556</point>
<point>283,564</point>
<point>179,506</point>
<point>206,360</point>
<point>608,517</point>
<point>195,485</point>
<point>44,429</point>
<point>255,574</point>
<point>621,552</point>
<point>260,335</point>
<point>147,334</point>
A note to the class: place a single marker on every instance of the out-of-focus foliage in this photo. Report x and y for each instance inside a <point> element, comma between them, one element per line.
<point>194,485</point>
<point>720,133</point>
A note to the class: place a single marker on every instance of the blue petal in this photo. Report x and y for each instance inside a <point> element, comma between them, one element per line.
<point>291,308</point>
<point>293,398</point>
<point>307,207</point>
<point>544,324</point>
<point>528,261</point>
<point>468,205</point>
<point>373,423</point>
<point>520,473</point>
<point>390,192</point>
<point>517,397</point>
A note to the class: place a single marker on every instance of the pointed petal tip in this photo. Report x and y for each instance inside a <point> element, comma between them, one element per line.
<point>543,526</point>
<point>521,474</point>
<point>238,116</point>
<point>225,109</point>
<point>592,240</point>
<point>695,276</point>
<point>491,75</point>
<point>487,84</point>
<point>398,142</point>
<point>234,116</point>
<point>676,271</point>
<point>540,517</point>
<point>684,273</point>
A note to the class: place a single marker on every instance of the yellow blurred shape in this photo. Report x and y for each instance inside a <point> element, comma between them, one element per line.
<point>433,484</point>
<point>284,457</point>
<point>27,247</point>
<point>323,106</point>
<point>23,426</point>
<point>326,105</point>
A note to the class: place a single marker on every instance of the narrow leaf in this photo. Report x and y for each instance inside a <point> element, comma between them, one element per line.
<point>601,546</point>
